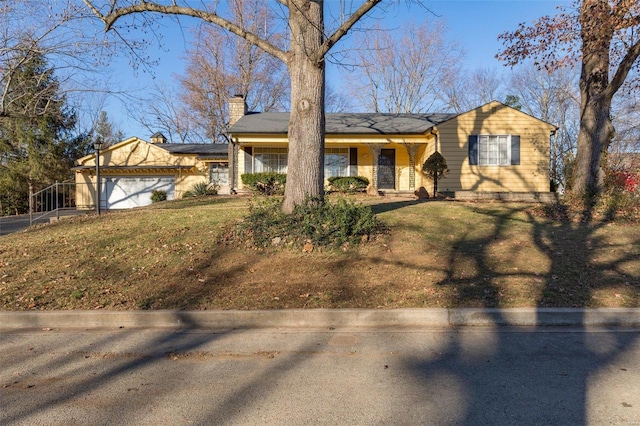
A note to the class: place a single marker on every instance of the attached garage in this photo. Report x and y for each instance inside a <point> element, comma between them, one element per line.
<point>129,192</point>
<point>132,169</point>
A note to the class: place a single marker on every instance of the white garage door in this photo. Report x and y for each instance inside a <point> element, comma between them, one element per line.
<point>128,192</point>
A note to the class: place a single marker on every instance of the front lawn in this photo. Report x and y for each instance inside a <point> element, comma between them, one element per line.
<point>437,254</point>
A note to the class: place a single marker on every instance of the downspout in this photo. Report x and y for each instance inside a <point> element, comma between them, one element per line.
<point>435,135</point>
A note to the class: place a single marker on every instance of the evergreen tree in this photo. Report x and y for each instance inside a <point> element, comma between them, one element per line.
<point>105,130</point>
<point>35,142</point>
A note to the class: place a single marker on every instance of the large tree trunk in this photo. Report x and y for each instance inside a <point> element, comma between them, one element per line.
<point>596,132</point>
<point>305,169</point>
<point>596,129</point>
<point>305,61</point>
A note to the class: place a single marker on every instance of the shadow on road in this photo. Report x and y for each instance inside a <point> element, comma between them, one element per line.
<point>494,384</point>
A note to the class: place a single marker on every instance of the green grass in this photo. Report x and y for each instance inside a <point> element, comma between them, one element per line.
<point>437,254</point>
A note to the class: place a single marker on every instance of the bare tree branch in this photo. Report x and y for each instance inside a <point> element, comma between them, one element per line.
<point>116,13</point>
<point>345,27</point>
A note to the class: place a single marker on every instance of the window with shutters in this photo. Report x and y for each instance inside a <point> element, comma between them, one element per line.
<point>494,150</point>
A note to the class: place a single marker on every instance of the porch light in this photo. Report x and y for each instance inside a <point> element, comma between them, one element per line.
<point>97,146</point>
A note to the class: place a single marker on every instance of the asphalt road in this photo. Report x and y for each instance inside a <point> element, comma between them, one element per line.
<point>445,376</point>
<point>11,224</point>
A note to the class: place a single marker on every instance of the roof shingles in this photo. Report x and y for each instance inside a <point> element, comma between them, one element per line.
<point>345,123</point>
<point>205,149</point>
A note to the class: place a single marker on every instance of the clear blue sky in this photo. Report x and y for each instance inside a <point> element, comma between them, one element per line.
<point>474,24</point>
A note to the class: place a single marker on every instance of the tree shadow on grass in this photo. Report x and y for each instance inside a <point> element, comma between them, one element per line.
<point>554,376</point>
<point>509,377</point>
<point>384,207</point>
<point>210,200</point>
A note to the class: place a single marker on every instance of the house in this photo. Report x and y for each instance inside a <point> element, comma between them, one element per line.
<point>493,151</point>
<point>130,170</point>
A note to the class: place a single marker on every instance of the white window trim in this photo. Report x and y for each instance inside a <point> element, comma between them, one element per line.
<point>338,151</point>
<point>215,164</point>
<point>269,150</point>
<point>264,150</point>
<point>498,164</point>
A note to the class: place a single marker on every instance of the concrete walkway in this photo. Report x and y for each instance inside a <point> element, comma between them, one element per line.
<point>324,318</point>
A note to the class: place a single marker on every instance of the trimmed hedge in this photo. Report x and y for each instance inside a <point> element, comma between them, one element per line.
<point>267,183</point>
<point>158,195</point>
<point>348,183</point>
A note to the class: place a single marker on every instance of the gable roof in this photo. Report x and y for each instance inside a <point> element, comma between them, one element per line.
<point>345,123</point>
<point>202,150</point>
<point>357,123</point>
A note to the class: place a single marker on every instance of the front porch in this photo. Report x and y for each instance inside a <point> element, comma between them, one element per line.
<point>391,167</point>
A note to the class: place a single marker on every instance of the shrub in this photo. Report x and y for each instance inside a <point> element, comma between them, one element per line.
<point>333,224</point>
<point>267,183</point>
<point>316,220</point>
<point>620,205</point>
<point>201,189</point>
<point>622,180</point>
<point>158,195</point>
<point>621,198</point>
<point>436,167</point>
<point>347,184</point>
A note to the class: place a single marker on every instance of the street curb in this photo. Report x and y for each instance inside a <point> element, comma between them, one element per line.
<point>325,318</point>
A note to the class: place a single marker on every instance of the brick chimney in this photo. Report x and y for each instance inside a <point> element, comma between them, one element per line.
<point>237,109</point>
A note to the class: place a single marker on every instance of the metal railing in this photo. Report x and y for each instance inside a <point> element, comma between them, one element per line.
<point>51,201</point>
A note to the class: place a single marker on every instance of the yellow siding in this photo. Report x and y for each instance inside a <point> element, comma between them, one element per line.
<point>137,152</point>
<point>85,191</point>
<point>423,153</point>
<point>402,168</point>
<point>531,175</point>
<point>364,162</point>
<point>240,169</point>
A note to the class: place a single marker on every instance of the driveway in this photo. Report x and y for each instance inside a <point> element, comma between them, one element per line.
<point>11,224</point>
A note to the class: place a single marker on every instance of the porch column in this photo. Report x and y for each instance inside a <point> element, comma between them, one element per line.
<point>412,150</point>
<point>233,166</point>
<point>374,149</point>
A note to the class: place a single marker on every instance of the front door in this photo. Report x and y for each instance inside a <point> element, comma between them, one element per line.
<point>387,169</point>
